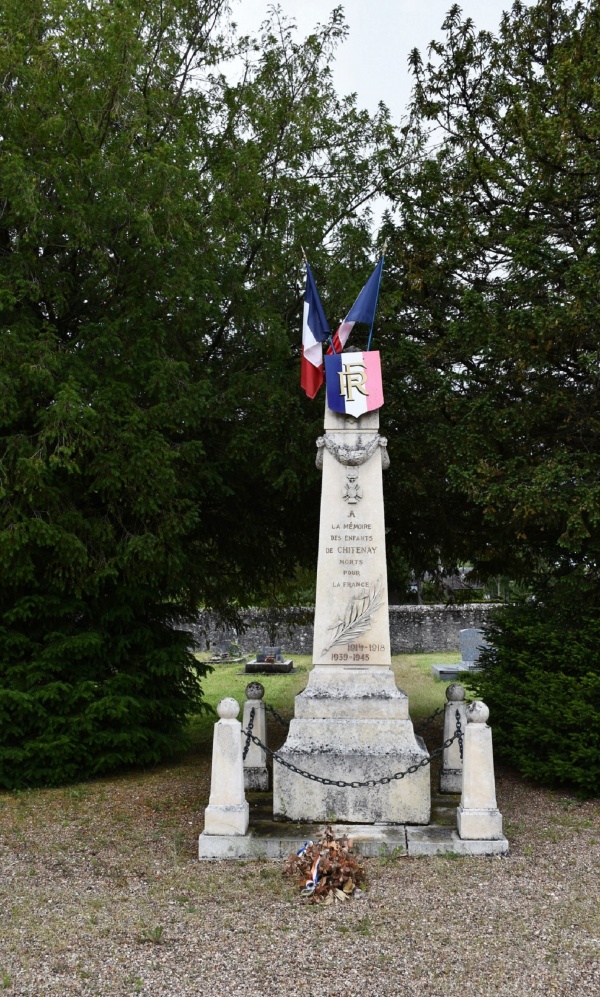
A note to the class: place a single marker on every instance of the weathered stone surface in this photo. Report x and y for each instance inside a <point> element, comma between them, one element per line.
<point>352,758</point>
<point>424,842</point>
<point>351,610</point>
<point>351,691</point>
<point>472,642</point>
<point>370,840</point>
<point>227,811</point>
<point>256,774</point>
<point>413,629</point>
<point>452,764</point>
<point>478,816</point>
<point>226,820</point>
<point>351,723</point>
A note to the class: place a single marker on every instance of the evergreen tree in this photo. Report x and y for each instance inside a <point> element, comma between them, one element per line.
<point>152,445</point>
<point>495,328</point>
<point>494,321</point>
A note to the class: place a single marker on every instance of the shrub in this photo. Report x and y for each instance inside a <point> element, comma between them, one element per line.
<point>541,681</point>
<point>92,696</point>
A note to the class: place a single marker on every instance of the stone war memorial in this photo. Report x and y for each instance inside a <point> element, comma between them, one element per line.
<point>351,757</point>
<point>351,723</point>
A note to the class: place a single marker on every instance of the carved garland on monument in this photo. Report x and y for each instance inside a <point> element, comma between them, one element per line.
<point>355,455</point>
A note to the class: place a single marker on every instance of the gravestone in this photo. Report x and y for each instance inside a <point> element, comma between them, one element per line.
<point>351,722</point>
<point>472,642</point>
<point>225,652</point>
<point>269,661</point>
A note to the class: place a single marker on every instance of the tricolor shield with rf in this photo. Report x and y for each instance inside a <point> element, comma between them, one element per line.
<point>354,382</point>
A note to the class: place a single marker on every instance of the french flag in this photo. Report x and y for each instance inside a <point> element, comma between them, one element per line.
<point>363,310</point>
<point>314,331</point>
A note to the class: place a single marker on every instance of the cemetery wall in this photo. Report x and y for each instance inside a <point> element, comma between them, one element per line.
<point>413,629</point>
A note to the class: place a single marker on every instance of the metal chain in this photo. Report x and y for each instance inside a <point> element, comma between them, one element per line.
<point>278,717</point>
<point>248,733</point>
<point>370,783</point>
<point>459,733</point>
<point>425,723</point>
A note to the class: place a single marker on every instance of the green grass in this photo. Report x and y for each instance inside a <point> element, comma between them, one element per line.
<point>412,672</point>
<point>413,676</point>
<point>230,680</point>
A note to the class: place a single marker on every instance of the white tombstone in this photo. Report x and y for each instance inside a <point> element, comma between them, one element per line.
<point>227,811</point>
<point>351,723</point>
<point>256,773</point>
<point>478,817</point>
<point>451,775</point>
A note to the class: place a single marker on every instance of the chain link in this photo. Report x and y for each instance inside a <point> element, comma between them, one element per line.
<point>459,733</point>
<point>278,717</point>
<point>370,783</point>
<point>249,734</point>
<point>425,723</point>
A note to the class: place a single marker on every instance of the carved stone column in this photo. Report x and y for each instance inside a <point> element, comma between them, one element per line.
<point>351,722</point>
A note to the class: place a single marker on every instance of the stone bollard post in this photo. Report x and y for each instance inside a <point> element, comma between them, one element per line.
<point>478,817</point>
<point>227,811</point>
<point>451,775</point>
<point>256,773</point>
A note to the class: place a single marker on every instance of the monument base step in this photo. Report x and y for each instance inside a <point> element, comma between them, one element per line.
<point>276,840</point>
<point>371,840</point>
<point>352,751</point>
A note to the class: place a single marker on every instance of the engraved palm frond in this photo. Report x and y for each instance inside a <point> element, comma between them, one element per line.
<point>357,618</point>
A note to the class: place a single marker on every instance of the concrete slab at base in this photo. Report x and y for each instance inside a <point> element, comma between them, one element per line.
<point>372,841</point>
<point>436,840</point>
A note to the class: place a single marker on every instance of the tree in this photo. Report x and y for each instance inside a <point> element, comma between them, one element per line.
<point>494,316</point>
<point>152,451</point>
<point>495,325</point>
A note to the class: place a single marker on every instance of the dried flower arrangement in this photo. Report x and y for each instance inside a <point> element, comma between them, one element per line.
<point>327,870</point>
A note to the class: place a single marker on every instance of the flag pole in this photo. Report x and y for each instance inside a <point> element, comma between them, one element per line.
<point>377,297</point>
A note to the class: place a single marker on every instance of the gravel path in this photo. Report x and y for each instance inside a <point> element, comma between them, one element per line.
<point>101,893</point>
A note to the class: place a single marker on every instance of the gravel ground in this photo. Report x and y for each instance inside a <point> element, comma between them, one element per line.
<point>101,893</point>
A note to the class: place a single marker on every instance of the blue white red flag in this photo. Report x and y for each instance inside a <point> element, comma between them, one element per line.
<point>314,331</point>
<point>363,309</point>
<point>354,383</point>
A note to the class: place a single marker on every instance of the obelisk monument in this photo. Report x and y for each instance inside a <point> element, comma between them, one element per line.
<point>351,723</point>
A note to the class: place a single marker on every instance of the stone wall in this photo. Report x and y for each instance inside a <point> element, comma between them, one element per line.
<point>413,629</point>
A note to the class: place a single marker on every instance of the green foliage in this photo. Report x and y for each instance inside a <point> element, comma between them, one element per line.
<point>492,349</point>
<point>153,455</point>
<point>541,681</point>
<point>494,328</point>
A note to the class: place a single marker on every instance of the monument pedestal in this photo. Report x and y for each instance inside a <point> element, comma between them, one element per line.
<point>351,723</point>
